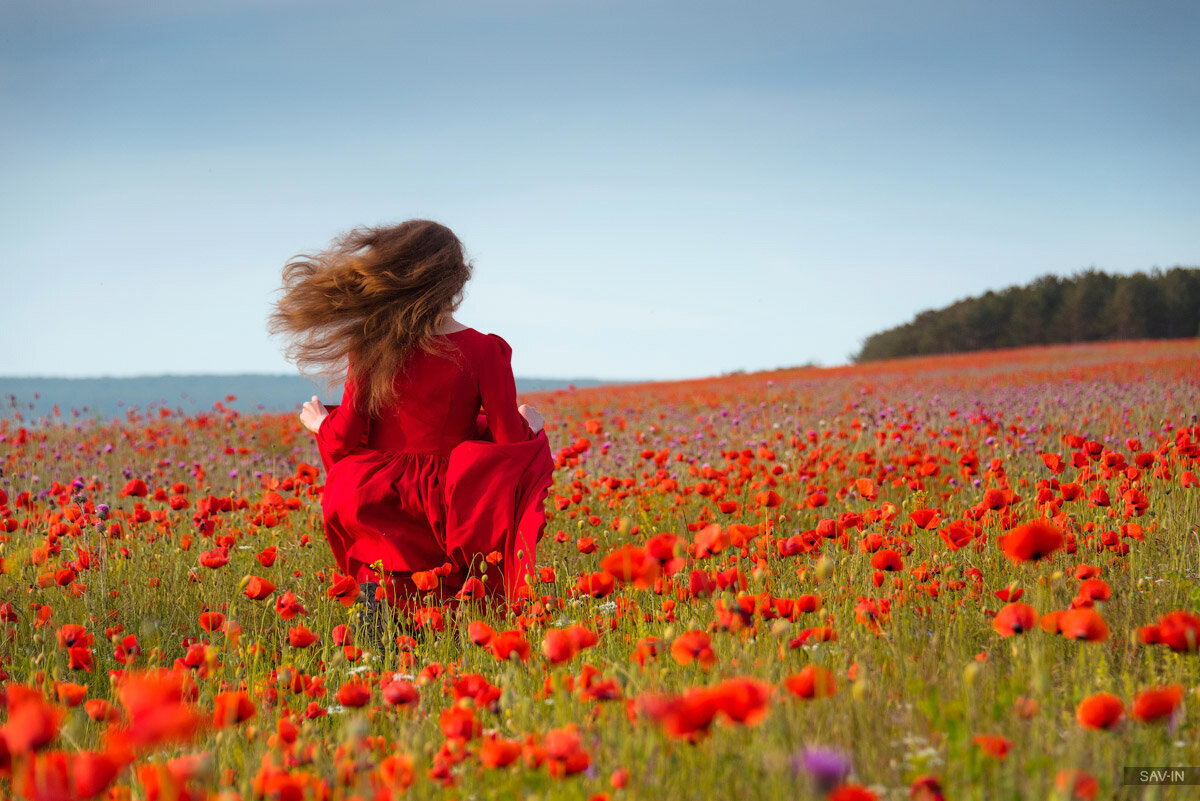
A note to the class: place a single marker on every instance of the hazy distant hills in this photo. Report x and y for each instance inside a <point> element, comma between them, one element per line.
<point>113,397</point>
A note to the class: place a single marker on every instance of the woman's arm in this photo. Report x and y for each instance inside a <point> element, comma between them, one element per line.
<point>498,391</point>
<point>341,430</point>
<point>313,414</point>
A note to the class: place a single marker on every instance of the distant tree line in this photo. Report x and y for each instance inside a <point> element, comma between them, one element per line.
<point>1085,307</point>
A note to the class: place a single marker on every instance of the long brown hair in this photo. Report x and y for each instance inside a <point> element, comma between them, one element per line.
<point>375,296</point>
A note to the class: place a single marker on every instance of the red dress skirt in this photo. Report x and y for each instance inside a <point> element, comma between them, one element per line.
<point>433,485</point>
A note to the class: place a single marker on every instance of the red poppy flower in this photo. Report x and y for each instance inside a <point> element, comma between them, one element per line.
<point>157,707</point>
<point>564,753</point>
<point>266,557</point>
<point>815,634</point>
<point>258,588</point>
<point>688,716</point>
<point>1180,631</point>
<point>1054,462</point>
<point>1094,589</point>
<point>957,535</point>
<point>480,633</point>
<point>993,745</point>
<point>1083,623</point>
<point>693,646</point>
<point>354,694</point>
<point>813,681</point>
<point>79,659</point>
<point>1015,618</point>
<point>345,589</point>
<point>630,564</point>
<point>287,606</point>
<point>211,621</point>
<point>1076,784</point>
<point>1051,621</point>
<point>926,788</point>
<point>32,722</point>
<point>925,518</point>
<point>646,650</point>
<point>742,700</point>
<point>232,707</point>
<point>401,692</point>
<point>1157,703</point>
<point>101,711</point>
<point>301,637</point>
<point>506,644</point>
<point>558,646</point>
<point>768,499</point>
<point>1032,541</point>
<point>1100,711</point>
<point>136,488</point>
<point>711,539</point>
<point>994,499</point>
<point>497,752</point>
<point>72,635</point>
<point>887,559</point>
<point>597,585</point>
<point>425,580</point>
<point>217,557</point>
<point>459,723</point>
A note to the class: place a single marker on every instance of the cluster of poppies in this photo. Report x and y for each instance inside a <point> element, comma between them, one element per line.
<point>757,575</point>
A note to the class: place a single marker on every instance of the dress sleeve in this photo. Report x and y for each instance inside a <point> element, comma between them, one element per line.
<point>498,391</point>
<point>342,430</point>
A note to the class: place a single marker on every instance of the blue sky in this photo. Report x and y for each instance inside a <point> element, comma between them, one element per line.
<point>648,189</point>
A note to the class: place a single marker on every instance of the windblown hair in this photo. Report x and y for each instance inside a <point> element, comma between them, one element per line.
<point>373,298</point>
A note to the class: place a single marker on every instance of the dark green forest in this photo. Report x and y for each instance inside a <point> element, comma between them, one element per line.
<point>1085,307</point>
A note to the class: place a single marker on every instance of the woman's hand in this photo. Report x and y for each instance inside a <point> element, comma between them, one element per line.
<point>313,414</point>
<point>532,416</point>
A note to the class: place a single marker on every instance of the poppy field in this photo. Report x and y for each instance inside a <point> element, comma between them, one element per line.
<point>956,577</point>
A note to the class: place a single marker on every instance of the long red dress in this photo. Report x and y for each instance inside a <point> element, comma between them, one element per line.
<point>431,481</point>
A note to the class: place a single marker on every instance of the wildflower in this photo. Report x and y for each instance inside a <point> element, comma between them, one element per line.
<point>157,707</point>
<point>1180,631</point>
<point>1076,784</point>
<point>1015,618</point>
<point>826,767</point>
<point>813,681</point>
<point>497,752</point>
<point>993,745</point>
<point>693,646</point>
<point>507,644</point>
<point>32,722</point>
<point>1100,711</point>
<point>301,637</point>
<point>354,694</point>
<point>1083,623</point>
<point>232,707</point>
<point>258,588</point>
<point>1157,703</point>
<point>630,564</point>
<point>1032,541</point>
<point>926,788</point>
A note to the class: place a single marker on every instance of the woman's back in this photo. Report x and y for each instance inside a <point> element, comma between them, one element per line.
<point>438,399</point>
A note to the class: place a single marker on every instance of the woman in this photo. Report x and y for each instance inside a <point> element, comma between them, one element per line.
<point>423,493</point>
